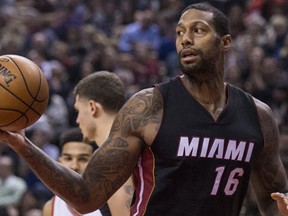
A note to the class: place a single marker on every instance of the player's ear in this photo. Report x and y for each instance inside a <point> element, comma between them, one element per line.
<point>226,42</point>
<point>94,108</point>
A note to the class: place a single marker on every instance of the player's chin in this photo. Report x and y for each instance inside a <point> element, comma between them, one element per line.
<point>188,68</point>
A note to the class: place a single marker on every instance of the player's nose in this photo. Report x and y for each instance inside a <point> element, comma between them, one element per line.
<point>74,165</point>
<point>187,39</point>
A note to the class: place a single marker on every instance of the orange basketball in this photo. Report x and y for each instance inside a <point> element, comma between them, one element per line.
<point>24,92</point>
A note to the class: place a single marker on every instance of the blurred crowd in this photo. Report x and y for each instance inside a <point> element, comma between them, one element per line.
<point>69,39</point>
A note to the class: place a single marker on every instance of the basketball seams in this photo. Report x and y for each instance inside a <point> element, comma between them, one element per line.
<point>30,93</point>
<point>22,115</point>
<point>24,79</point>
<point>24,102</point>
<point>27,88</point>
<point>40,84</point>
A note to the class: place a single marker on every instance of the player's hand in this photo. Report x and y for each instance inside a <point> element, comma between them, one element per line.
<point>13,139</point>
<point>282,202</point>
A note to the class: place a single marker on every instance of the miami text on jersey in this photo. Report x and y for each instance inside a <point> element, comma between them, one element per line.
<point>215,148</point>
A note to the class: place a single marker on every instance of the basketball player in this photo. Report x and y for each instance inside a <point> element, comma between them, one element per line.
<point>75,154</point>
<point>194,143</point>
<point>99,97</point>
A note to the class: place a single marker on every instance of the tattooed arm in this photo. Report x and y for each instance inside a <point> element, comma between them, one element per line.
<point>134,127</point>
<point>268,174</point>
<point>111,165</point>
<point>120,202</point>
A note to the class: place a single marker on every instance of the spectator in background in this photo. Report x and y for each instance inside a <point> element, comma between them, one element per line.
<point>32,200</point>
<point>57,116</point>
<point>167,49</point>
<point>42,133</point>
<point>143,29</point>
<point>146,64</point>
<point>283,56</point>
<point>278,26</point>
<point>279,106</point>
<point>12,187</point>
<point>59,83</point>
<point>34,212</point>
<point>255,83</point>
<point>234,76</point>
<point>236,14</point>
<point>255,30</point>
<point>5,150</point>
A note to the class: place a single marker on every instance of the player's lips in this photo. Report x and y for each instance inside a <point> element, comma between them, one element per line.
<point>188,55</point>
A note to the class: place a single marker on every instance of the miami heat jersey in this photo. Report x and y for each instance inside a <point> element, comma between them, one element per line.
<point>197,166</point>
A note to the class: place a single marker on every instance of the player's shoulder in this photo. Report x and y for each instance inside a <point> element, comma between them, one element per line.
<point>144,109</point>
<point>262,108</point>
<point>147,92</point>
<point>266,116</point>
<point>47,207</point>
<point>146,97</point>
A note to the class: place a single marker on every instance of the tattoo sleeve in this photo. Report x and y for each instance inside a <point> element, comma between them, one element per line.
<point>268,175</point>
<point>111,165</point>
<point>134,127</point>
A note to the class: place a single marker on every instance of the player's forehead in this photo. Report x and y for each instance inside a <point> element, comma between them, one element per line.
<point>74,147</point>
<point>192,16</point>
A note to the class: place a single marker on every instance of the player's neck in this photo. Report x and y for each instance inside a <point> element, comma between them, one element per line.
<point>103,129</point>
<point>211,95</point>
<point>206,92</point>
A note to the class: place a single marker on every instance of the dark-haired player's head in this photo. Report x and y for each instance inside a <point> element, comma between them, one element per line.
<point>202,40</point>
<point>75,151</point>
<point>104,87</point>
<point>98,97</point>
<point>220,21</point>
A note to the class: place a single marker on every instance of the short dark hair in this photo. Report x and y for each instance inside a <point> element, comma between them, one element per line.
<point>220,20</point>
<point>104,87</point>
<point>74,135</point>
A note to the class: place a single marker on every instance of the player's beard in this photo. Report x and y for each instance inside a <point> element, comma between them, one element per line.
<point>202,70</point>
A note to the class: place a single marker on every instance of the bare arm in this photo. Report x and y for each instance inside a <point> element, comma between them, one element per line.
<point>111,165</point>
<point>268,174</point>
<point>120,202</point>
<point>47,208</point>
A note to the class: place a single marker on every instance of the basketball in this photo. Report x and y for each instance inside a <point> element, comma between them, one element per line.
<point>24,92</point>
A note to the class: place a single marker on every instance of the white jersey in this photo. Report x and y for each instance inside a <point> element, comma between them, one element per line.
<point>60,208</point>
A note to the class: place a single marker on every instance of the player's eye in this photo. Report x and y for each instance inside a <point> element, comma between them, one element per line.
<point>179,32</point>
<point>199,31</point>
<point>67,158</point>
<point>84,160</point>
